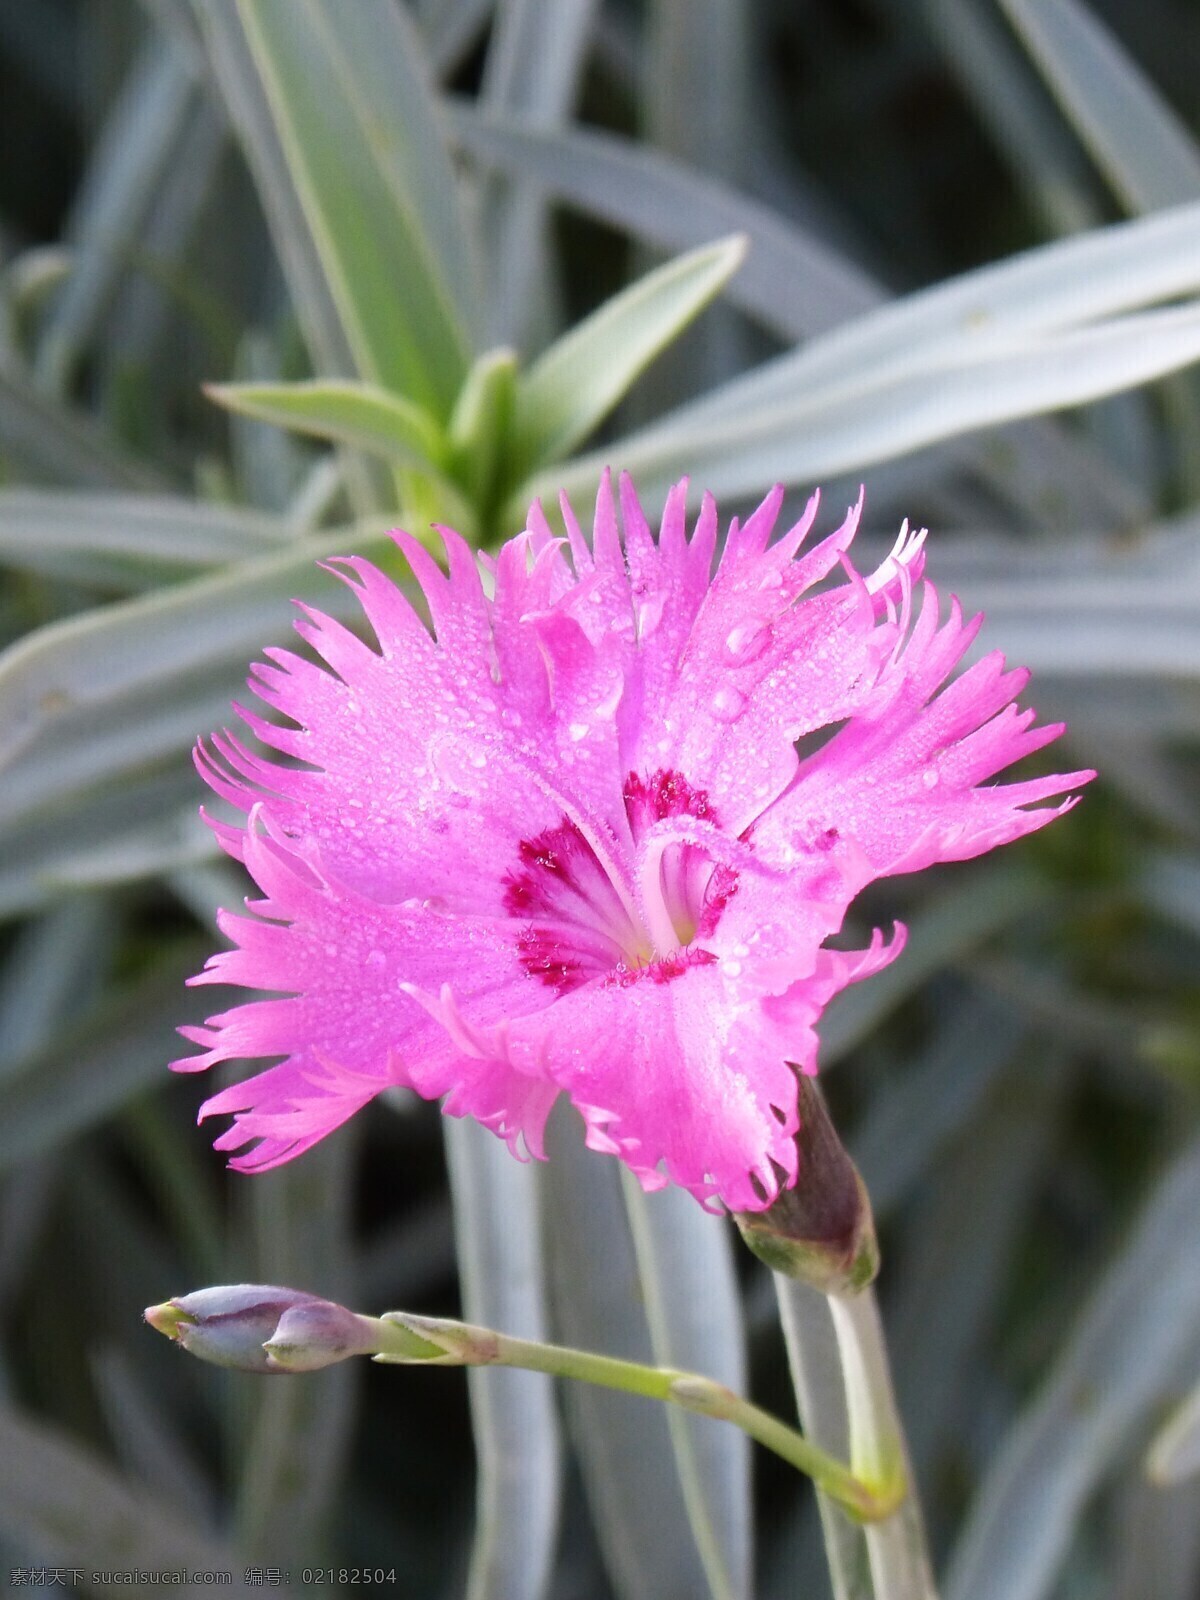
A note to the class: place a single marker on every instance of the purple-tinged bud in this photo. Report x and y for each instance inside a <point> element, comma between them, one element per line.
<point>229,1325</point>
<point>316,1335</point>
<point>822,1230</point>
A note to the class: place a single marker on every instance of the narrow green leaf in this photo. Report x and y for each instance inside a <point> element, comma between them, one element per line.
<point>1042,155</point>
<point>360,133</point>
<point>1175,1453</point>
<point>112,651</point>
<point>358,414</point>
<point>577,382</point>
<point>623,1443</point>
<point>50,973</point>
<point>123,824</point>
<point>1094,629</point>
<point>292,1458</point>
<point>805,435</point>
<point>41,526</point>
<point>135,151</point>
<point>814,1362</point>
<point>97,1065</point>
<point>1146,151</point>
<point>998,310</point>
<point>94,756</point>
<point>799,286</point>
<point>69,1507</point>
<point>923,1105</point>
<point>1140,1324</point>
<point>149,1435</point>
<point>55,441</point>
<point>450,29</point>
<point>699,55</point>
<point>232,65</point>
<point>1156,1541</point>
<point>535,59</point>
<point>515,1422</point>
<point>792,282</point>
<point>693,1309</point>
<point>959,1239</point>
<point>946,930</point>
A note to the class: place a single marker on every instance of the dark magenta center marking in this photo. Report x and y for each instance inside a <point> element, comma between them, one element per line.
<point>577,926</point>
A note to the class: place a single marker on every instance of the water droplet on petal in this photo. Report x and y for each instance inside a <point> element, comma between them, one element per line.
<point>747,642</point>
<point>649,614</point>
<point>929,778</point>
<point>606,709</point>
<point>478,758</point>
<point>578,730</point>
<point>727,704</point>
<point>731,969</point>
<point>510,719</point>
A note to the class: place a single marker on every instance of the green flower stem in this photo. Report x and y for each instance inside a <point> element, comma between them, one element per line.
<point>815,1363</point>
<point>401,1338</point>
<point>900,1568</point>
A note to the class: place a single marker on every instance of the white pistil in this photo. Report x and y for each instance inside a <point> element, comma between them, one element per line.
<point>660,925</point>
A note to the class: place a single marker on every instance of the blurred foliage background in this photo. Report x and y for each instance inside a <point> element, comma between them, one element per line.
<point>419,201</point>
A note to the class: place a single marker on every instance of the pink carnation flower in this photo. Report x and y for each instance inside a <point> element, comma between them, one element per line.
<point>565,843</point>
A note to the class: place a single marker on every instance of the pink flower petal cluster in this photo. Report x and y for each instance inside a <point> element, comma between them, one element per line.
<point>564,842</point>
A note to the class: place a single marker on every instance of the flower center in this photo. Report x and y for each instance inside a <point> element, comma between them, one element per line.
<point>578,926</point>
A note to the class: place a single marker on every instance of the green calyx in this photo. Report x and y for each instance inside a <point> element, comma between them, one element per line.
<point>822,1230</point>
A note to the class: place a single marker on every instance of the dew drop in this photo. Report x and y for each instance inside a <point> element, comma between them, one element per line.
<point>578,730</point>
<point>727,704</point>
<point>747,642</point>
<point>478,759</point>
<point>929,778</point>
<point>606,709</point>
<point>649,614</point>
<point>510,719</point>
<point>731,969</point>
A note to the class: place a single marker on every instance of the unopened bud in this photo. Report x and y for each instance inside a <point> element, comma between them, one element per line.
<point>316,1335</point>
<point>230,1326</point>
<point>821,1230</point>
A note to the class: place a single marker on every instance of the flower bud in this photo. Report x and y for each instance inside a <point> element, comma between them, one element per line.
<point>821,1230</point>
<point>317,1334</point>
<point>230,1325</point>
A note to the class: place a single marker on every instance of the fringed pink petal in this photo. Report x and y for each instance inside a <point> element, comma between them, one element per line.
<point>557,838</point>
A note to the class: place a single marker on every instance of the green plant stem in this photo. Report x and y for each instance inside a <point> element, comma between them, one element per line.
<point>900,1568</point>
<point>815,1364</point>
<point>461,1344</point>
